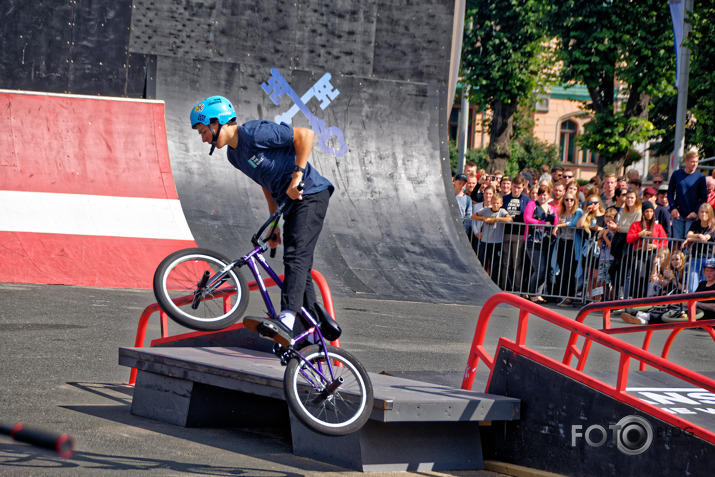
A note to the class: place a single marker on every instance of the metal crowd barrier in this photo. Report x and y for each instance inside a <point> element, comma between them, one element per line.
<point>573,271</point>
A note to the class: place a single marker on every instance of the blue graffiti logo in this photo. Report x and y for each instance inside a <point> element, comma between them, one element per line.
<point>323,91</point>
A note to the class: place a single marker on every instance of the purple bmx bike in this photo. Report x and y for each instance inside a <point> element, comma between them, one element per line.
<point>326,388</point>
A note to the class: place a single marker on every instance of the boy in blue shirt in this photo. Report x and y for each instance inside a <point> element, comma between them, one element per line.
<point>275,156</point>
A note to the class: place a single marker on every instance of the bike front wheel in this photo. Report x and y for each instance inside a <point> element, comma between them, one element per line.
<point>180,289</point>
<point>332,406</point>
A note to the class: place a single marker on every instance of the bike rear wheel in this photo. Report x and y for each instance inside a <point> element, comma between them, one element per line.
<point>344,410</point>
<point>177,290</point>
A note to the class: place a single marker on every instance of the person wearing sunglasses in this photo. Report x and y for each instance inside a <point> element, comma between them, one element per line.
<point>568,250</point>
<point>592,222</point>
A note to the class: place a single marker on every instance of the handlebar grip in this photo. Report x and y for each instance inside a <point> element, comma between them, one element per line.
<point>63,444</point>
<point>273,253</point>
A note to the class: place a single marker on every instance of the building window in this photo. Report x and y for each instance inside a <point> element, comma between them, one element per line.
<point>454,125</point>
<point>567,142</point>
<point>590,158</point>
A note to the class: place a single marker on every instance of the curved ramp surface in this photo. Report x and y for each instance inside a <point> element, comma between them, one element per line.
<point>87,197</point>
<point>372,80</point>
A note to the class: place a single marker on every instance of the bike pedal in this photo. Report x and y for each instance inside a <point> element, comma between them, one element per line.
<point>268,328</point>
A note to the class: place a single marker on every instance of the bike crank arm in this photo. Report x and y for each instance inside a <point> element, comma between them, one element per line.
<point>328,391</point>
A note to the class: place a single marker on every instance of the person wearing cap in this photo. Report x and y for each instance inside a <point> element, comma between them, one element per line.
<point>649,194</point>
<point>646,235</point>
<point>662,211</point>
<point>464,203</point>
<point>706,285</point>
<point>275,156</point>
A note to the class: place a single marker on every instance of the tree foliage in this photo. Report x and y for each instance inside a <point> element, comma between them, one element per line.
<point>700,120</point>
<point>701,92</point>
<point>615,48</point>
<point>502,58</point>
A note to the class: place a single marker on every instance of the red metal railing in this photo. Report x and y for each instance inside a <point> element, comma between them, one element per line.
<point>625,350</point>
<point>317,277</point>
<point>690,299</point>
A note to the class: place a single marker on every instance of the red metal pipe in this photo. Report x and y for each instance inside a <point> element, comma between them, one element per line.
<point>477,350</point>
<point>317,277</point>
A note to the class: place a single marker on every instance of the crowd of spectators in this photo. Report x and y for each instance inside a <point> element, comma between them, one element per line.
<point>541,233</point>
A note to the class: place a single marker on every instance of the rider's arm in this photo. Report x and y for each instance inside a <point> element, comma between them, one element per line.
<point>303,144</point>
<point>272,206</point>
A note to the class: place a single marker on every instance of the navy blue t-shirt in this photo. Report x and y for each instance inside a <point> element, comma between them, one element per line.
<point>266,154</point>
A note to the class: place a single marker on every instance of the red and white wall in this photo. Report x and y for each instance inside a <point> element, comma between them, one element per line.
<point>86,191</point>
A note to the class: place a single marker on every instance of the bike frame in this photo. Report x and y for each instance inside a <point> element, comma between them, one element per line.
<point>255,258</point>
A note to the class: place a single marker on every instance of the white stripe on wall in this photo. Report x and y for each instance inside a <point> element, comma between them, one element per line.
<point>76,214</point>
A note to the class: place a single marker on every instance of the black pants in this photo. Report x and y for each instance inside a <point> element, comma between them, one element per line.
<point>303,224</point>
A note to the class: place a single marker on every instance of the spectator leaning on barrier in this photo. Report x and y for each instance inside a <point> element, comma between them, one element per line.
<point>592,222</point>
<point>512,258</point>
<point>537,214</point>
<point>493,219</point>
<point>476,223</point>
<point>568,249</point>
<point>630,213</point>
<point>605,259</point>
<point>644,235</point>
<point>699,244</point>
<point>686,192</point>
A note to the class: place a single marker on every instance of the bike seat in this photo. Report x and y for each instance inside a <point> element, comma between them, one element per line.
<point>328,326</point>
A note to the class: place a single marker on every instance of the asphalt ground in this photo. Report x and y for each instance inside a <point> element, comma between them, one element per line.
<point>60,373</point>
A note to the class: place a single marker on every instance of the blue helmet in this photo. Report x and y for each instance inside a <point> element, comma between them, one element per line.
<point>216,107</point>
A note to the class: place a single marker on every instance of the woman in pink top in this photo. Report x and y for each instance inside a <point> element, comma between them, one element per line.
<point>538,212</point>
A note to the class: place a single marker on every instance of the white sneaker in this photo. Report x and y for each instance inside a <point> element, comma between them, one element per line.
<point>287,317</point>
<point>642,315</point>
<point>634,320</point>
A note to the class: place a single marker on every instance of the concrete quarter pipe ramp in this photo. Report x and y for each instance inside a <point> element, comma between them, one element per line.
<point>369,75</point>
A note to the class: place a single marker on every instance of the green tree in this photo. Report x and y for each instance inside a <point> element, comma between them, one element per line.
<point>702,80</point>
<point>700,124</point>
<point>503,52</point>
<point>622,51</point>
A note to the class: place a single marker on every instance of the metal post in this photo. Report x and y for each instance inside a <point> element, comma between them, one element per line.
<point>463,130</point>
<point>683,77</point>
